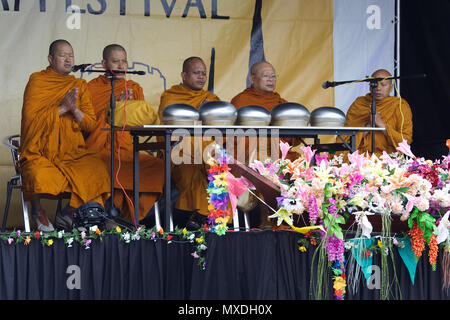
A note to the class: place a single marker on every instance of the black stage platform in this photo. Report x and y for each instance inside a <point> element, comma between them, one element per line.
<point>255,265</point>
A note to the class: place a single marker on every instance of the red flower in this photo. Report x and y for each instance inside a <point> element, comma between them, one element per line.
<point>205,227</point>
<point>433,251</point>
<point>368,254</point>
<point>169,237</point>
<point>417,240</point>
<point>36,234</point>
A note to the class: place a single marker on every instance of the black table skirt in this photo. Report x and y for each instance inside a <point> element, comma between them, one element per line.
<point>255,265</point>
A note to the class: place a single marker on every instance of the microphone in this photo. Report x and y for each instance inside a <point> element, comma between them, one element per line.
<point>77,67</point>
<point>112,72</point>
<point>328,84</point>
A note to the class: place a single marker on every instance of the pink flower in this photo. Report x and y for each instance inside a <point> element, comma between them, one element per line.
<point>284,147</point>
<point>323,157</point>
<point>10,240</point>
<point>404,148</point>
<point>387,159</point>
<point>357,159</point>
<point>258,166</point>
<point>308,153</point>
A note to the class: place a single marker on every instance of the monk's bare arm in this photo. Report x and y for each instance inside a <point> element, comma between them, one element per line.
<point>85,114</point>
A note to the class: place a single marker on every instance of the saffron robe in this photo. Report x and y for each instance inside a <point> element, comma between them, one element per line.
<point>190,179</point>
<point>396,114</point>
<point>53,155</point>
<point>151,169</point>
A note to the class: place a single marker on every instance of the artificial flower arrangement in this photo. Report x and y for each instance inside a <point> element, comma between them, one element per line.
<point>325,191</point>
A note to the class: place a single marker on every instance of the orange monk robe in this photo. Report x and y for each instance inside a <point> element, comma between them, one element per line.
<point>151,169</point>
<point>54,157</point>
<point>398,123</point>
<point>251,96</point>
<point>190,179</point>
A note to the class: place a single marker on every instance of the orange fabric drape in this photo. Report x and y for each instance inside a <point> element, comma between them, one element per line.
<point>251,96</point>
<point>151,169</point>
<point>398,123</point>
<point>54,157</point>
<point>190,179</point>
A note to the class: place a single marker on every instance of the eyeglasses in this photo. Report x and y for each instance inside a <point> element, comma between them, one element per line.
<point>269,76</point>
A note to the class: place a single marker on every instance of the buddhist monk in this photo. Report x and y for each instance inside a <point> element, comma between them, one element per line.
<point>190,179</point>
<point>392,113</point>
<point>57,110</point>
<point>263,80</point>
<point>151,169</point>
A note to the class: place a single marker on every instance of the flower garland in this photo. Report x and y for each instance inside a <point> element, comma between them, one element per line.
<point>217,189</point>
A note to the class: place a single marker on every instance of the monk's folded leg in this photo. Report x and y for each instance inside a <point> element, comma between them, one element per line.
<point>42,177</point>
<point>88,178</point>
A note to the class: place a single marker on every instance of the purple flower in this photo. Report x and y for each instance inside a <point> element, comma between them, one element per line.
<point>312,209</point>
<point>280,200</point>
<point>335,249</point>
<point>333,208</point>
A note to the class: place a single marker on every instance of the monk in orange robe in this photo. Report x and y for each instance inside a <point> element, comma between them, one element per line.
<point>263,80</point>
<point>393,113</point>
<point>190,179</point>
<point>57,110</point>
<point>151,169</point>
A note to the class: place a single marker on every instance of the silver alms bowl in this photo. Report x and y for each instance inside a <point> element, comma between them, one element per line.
<point>218,113</point>
<point>290,114</point>
<point>180,114</point>
<point>327,117</point>
<point>253,115</point>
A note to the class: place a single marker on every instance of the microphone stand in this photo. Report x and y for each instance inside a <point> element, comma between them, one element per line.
<point>373,87</point>
<point>112,211</point>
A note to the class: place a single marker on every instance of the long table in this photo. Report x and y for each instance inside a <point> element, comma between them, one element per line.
<point>169,131</point>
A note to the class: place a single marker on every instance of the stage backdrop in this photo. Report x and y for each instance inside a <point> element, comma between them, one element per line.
<point>308,42</point>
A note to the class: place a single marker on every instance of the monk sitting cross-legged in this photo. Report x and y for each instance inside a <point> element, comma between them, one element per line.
<point>57,110</point>
<point>190,179</point>
<point>151,169</point>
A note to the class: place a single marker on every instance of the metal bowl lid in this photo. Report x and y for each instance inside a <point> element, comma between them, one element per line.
<point>327,117</point>
<point>218,113</point>
<point>253,115</point>
<point>180,113</point>
<point>290,114</point>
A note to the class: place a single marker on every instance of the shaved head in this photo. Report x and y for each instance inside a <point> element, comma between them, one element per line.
<point>194,73</point>
<point>381,73</point>
<point>54,45</point>
<point>254,68</point>
<point>384,87</point>
<point>107,51</point>
<point>263,77</point>
<point>187,63</point>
